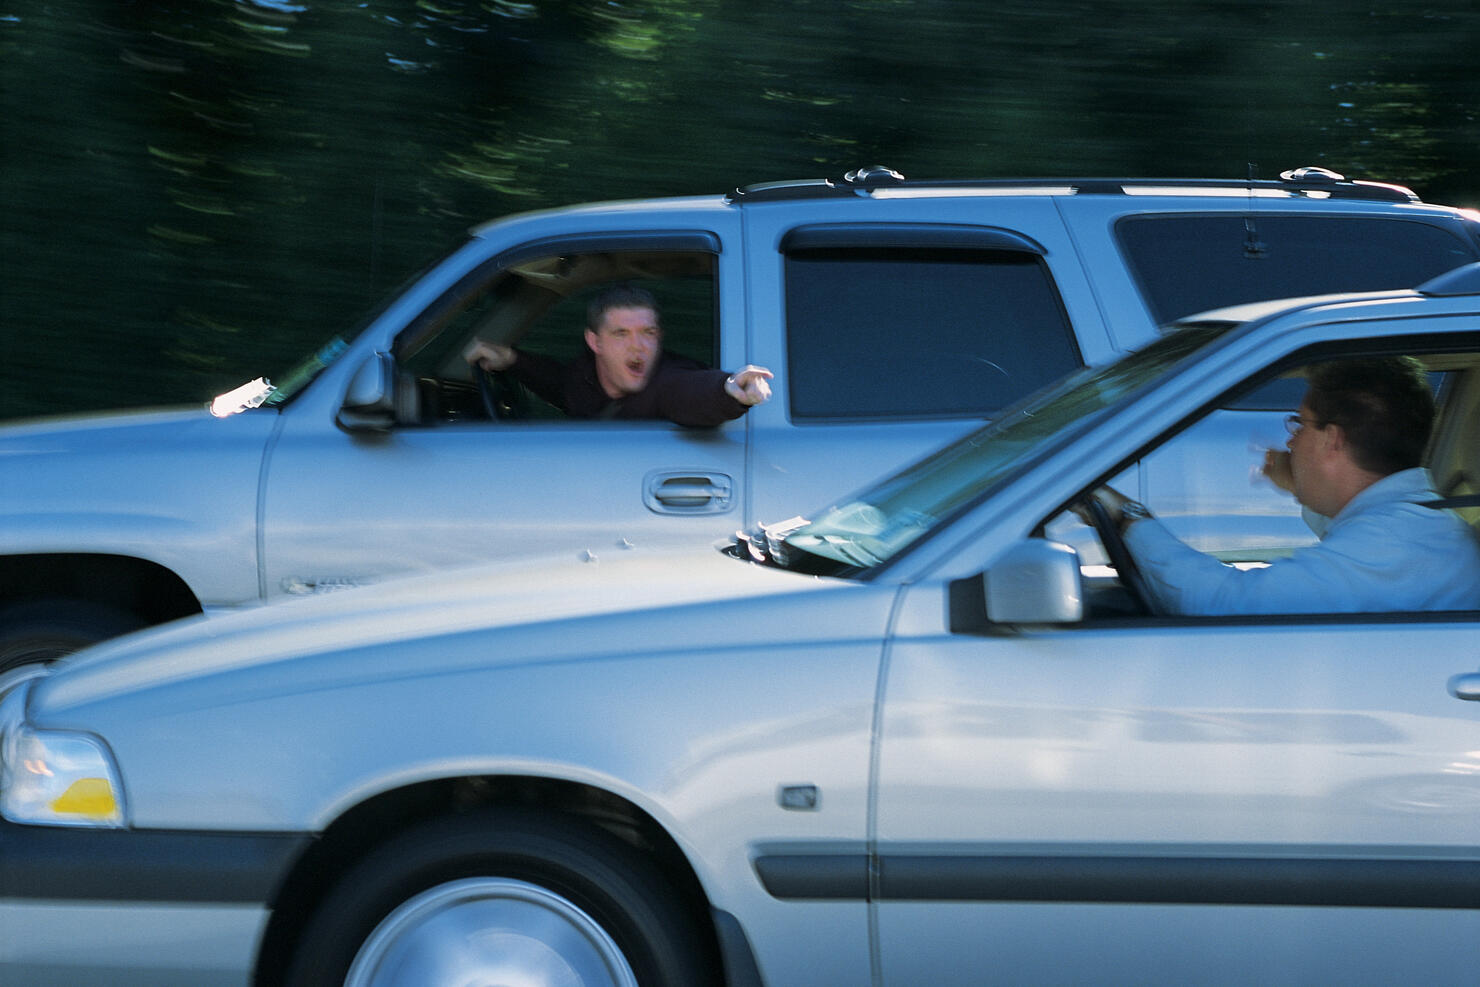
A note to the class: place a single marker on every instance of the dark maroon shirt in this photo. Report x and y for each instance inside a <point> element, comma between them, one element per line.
<point>681,390</point>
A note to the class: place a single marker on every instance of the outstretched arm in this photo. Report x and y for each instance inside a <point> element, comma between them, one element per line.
<point>749,385</point>
<point>687,393</point>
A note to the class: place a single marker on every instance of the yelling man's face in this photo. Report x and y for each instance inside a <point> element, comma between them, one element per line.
<point>626,345</point>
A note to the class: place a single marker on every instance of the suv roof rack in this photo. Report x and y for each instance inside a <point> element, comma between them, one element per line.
<point>1309,181</point>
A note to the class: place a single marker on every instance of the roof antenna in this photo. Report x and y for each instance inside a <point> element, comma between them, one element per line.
<point>1254,248</point>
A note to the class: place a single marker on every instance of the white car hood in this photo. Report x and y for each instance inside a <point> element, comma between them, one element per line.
<point>485,598</point>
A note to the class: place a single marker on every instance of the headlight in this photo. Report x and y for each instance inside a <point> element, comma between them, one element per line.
<point>55,777</point>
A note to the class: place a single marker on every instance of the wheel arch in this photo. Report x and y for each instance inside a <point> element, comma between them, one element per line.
<point>382,817</point>
<point>136,586</point>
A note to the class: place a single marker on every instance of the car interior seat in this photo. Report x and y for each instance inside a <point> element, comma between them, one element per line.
<point>1454,449</point>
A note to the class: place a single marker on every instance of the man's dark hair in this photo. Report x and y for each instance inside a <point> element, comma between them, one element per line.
<point>1384,405</point>
<point>617,296</point>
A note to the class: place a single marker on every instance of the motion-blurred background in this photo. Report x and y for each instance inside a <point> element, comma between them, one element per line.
<point>198,192</point>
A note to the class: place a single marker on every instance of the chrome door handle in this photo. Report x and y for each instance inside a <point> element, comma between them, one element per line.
<point>674,492</point>
<point>1466,686</point>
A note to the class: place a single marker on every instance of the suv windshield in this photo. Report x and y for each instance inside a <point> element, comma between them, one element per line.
<point>281,389</point>
<point>304,373</point>
<point>882,521</point>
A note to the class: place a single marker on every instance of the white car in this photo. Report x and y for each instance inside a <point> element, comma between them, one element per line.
<point>913,741</point>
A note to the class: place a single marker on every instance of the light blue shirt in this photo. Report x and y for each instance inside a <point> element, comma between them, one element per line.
<point>1383,551</point>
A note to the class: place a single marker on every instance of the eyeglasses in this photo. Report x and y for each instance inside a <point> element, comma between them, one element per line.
<point>1294,423</point>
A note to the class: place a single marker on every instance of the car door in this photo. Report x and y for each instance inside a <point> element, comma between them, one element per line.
<point>1239,801</point>
<point>1132,798</point>
<point>455,486</point>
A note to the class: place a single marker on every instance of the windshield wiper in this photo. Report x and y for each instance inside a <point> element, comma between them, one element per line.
<point>766,544</point>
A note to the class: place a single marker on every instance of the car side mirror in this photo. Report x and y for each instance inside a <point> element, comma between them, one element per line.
<point>376,398</point>
<point>1035,581</point>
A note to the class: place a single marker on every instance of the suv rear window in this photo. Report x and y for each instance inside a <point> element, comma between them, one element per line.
<point>1190,264</point>
<point>920,332</point>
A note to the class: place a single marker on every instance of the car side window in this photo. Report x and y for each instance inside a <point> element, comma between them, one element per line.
<point>894,332</point>
<point>1222,506</point>
<point>688,307</point>
<point>537,303</point>
<point>1189,264</point>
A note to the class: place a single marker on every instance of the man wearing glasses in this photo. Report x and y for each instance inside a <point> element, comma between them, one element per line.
<point>1353,463</point>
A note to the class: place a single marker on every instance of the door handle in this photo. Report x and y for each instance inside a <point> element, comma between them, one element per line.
<point>1466,686</point>
<point>690,492</point>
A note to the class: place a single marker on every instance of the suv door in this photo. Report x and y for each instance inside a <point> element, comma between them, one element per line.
<point>904,323</point>
<point>449,485</point>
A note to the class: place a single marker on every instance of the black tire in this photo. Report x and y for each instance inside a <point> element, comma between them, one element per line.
<point>508,876</point>
<point>39,631</point>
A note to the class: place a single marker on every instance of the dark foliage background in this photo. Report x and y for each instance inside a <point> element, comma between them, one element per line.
<point>199,192</point>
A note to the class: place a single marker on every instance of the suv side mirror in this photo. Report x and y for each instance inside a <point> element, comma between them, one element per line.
<point>1035,582</point>
<point>376,398</point>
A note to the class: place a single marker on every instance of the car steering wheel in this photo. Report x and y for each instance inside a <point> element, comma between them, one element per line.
<point>504,398</point>
<point>1130,574</point>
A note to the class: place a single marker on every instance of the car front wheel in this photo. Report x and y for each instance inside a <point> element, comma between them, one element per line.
<point>502,897</point>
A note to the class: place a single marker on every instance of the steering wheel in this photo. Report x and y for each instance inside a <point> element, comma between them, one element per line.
<point>504,398</point>
<point>1131,577</point>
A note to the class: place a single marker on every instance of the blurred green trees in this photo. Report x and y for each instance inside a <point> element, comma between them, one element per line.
<point>197,192</point>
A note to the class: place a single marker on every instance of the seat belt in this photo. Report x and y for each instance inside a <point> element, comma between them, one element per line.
<point>1444,503</point>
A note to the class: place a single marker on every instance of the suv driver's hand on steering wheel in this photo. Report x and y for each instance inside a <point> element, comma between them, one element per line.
<point>492,357</point>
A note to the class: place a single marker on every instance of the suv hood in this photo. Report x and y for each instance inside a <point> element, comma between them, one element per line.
<point>87,447</point>
<point>62,434</point>
<point>279,641</point>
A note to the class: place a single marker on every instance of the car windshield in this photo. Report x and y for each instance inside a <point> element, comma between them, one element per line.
<point>880,522</point>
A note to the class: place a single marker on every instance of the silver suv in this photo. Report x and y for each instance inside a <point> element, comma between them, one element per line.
<point>906,743</point>
<point>897,314</point>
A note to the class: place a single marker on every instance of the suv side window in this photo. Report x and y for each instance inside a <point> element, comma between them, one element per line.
<point>537,302</point>
<point>920,331</point>
<point>687,307</point>
<point>1189,264</point>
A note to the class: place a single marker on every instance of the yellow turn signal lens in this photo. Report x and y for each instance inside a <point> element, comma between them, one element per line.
<point>91,798</point>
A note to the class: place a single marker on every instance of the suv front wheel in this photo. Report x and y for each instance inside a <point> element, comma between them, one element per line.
<point>39,631</point>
